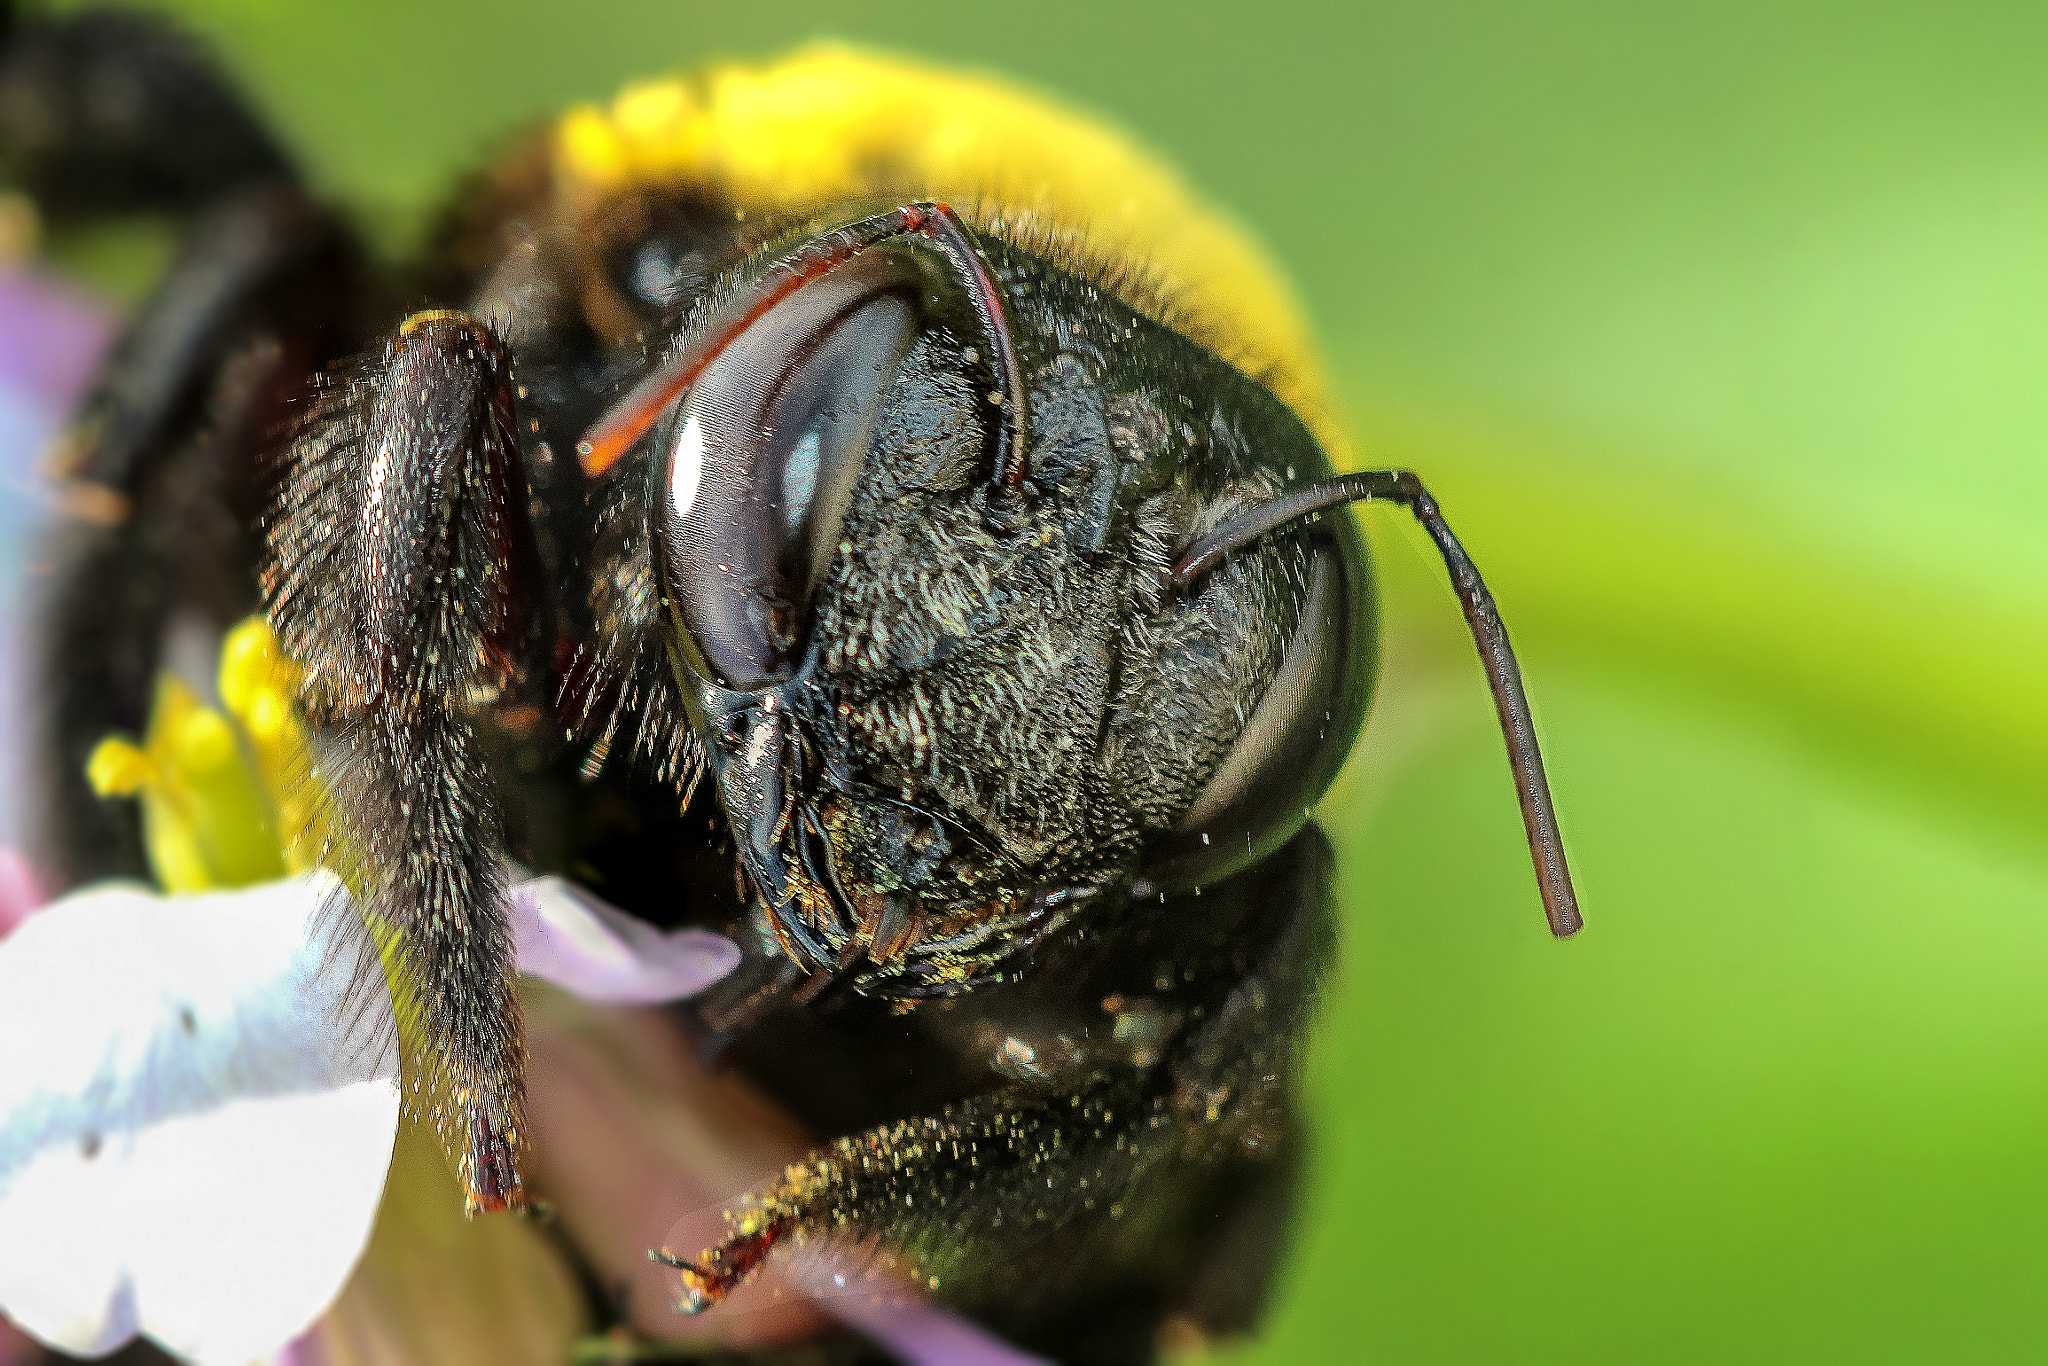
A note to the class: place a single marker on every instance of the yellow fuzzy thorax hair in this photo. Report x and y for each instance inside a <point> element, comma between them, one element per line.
<point>831,124</point>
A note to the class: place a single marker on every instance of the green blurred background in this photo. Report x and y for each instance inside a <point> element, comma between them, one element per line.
<point>1720,331</point>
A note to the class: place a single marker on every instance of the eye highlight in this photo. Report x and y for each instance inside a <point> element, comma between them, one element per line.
<point>760,459</point>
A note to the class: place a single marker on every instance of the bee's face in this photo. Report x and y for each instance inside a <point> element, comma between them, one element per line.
<point>943,710</point>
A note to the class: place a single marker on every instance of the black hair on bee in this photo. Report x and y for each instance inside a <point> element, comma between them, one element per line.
<point>970,568</point>
<point>400,577</point>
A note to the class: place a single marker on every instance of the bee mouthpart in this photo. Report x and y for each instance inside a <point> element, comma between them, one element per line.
<point>783,848</point>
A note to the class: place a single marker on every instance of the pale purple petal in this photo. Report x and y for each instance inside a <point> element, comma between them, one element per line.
<point>16,1347</point>
<point>875,1299</point>
<point>21,891</point>
<point>304,1350</point>
<point>922,1334</point>
<point>51,339</point>
<point>573,938</point>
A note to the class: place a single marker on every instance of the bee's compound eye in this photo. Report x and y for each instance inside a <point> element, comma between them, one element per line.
<point>1297,737</point>
<point>760,461</point>
<point>663,273</point>
<point>660,252</point>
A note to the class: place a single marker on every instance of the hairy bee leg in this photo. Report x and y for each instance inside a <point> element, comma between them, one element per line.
<point>242,257</point>
<point>982,1181</point>
<point>1238,1059</point>
<point>1233,1083</point>
<point>164,479</point>
<point>112,111</point>
<point>401,566</point>
<point>903,1180</point>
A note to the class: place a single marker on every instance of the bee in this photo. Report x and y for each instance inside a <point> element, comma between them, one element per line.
<point>859,507</point>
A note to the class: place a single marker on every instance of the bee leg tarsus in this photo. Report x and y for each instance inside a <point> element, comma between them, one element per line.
<point>722,1269</point>
<point>695,1296</point>
<point>490,1171</point>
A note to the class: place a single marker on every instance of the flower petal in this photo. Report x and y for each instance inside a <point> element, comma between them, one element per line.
<point>21,891</point>
<point>920,1333</point>
<point>51,339</point>
<point>197,1104</point>
<point>437,1289</point>
<point>630,1128</point>
<point>566,935</point>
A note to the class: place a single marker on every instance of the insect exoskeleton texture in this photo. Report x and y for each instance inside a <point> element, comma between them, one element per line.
<point>862,507</point>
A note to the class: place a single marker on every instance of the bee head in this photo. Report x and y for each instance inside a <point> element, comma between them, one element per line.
<point>917,495</point>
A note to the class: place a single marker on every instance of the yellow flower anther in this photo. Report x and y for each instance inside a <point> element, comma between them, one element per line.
<point>259,687</point>
<point>118,767</point>
<point>203,742</point>
<point>224,794</point>
<point>267,716</point>
<point>252,665</point>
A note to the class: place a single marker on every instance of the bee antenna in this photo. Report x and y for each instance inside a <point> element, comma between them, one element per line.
<point>1503,674</point>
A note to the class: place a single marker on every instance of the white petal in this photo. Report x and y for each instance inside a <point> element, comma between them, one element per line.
<point>197,1106</point>
<point>578,941</point>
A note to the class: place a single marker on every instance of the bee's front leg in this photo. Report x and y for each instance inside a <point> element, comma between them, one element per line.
<point>1110,1180</point>
<point>400,577</point>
